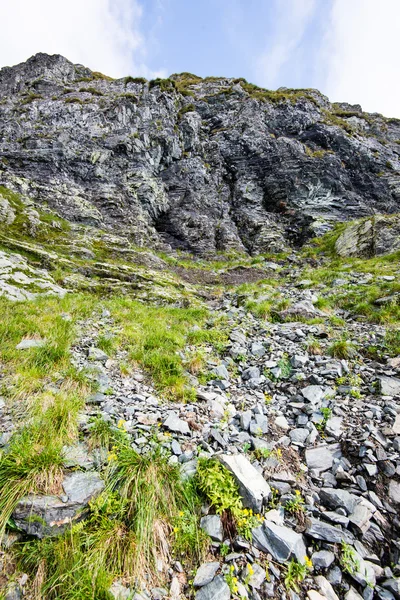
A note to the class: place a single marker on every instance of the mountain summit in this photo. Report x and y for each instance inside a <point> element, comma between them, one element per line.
<point>198,164</point>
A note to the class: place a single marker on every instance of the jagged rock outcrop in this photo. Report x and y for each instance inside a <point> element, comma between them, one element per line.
<point>375,236</point>
<point>202,164</point>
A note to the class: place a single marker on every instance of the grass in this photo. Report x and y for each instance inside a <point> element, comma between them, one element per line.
<point>153,336</point>
<point>33,461</point>
<point>145,515</point>
<point>343,349</point>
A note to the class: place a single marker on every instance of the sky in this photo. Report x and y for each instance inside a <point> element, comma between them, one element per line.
<point>348,49</point>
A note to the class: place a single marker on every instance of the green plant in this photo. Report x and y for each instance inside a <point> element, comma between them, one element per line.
<point>232,580</point>
<point>343,349</point>
<point>296,573</point>
<point>296,504</point>
<point>224,550</point>
<point>326,414</point>
<point>348,559</point>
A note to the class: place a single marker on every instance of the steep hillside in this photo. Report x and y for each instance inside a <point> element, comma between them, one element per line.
<point>197,400</point>
<point>200,164</point>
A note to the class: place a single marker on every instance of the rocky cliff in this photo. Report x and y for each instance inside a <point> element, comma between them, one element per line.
<point>200,164</point>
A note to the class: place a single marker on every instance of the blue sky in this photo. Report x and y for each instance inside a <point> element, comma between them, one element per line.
<point>349,49</point>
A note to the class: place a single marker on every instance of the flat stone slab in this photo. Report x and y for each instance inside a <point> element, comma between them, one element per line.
<point>205,574</point>
<point>389,386</point>
<point>253,488</point>
<point>280,541</point>
<point>43,516</point>
<point>321,457</point>
<point>27,344</point>
<point>218,589</point>
<point>174,423</point>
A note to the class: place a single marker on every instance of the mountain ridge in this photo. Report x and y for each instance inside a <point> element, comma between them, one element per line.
<point>203,165</point>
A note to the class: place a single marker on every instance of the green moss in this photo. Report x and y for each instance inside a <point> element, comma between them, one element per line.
<point>165,85</point>
<point>185,109</point>
<point>92,90</point>
<point>130,79</point>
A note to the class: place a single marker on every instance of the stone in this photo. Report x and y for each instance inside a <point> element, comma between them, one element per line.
<point>360,518</point>
<point>119,591</point>
<point>258,349</point>
<point>205,573</point>
<point>221,372</point>
<point>253,488</point>
<point>396,425</point>
<point>333,427</point>
<point>336,498</point>
<point>389,386</point>
<point>323,559</point>
<point>352,594</point>
<point>96,354</point>
<point>175,424</point>
<point>251,373</point>
<point>299,436</point>
<point>13,592</point>
<point>282,423</point>
<point>326,588</point>
<point>321,457</point>
<point>281,542</point>
<point>30,343</point>
<point>314,595</point>
<point>218,589</point>
<point>254,577</point>
<point>212,525</point>
<point>394,491</point>
<point>42,516</point>
<point>320,530</point>
<point>313,393</point>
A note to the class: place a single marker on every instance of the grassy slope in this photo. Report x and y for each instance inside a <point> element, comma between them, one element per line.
<point>145,505</point>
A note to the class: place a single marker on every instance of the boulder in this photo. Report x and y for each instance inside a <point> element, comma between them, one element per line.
<point>253,488</point>
<point>281,542</point>
<point>43,516</point>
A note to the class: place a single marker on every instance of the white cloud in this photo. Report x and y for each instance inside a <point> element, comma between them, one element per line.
<point>104,35</point>
<point>361,54</point>
<point>291,20</point>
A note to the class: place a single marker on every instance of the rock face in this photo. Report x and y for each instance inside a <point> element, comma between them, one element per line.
<point>201,164</point>
<point>370,237</point>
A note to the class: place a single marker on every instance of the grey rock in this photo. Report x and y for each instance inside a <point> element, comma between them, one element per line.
<point>389,386</point>
<point>255,578</point>
<point>205,573</point>
<point>313,393</point>
<point>13,592</point>
<point>174,423</point>
<point>323,559</point>
<point>258,349</point>
<point>221,372</point>
<point>96,354</point>
<point>218,589</point>
<point>321,457</point>
<point>281,542</point>
<point>368,237</point>
<point>42,516</point>
<point>212,525</point>
<point>251,373</point>
<point>352,594</point>
<point>298,436</point>
<point>253,488</point>
<point>29,343</point>
<point>320,530</point>
<point>394,491</point>
<point>336,498</point>
<point>326,588</point>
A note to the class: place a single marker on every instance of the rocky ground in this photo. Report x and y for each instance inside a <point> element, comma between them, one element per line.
<point>313,442</point>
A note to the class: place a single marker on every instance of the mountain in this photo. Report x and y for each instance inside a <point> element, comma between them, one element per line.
<point>203,165</point>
